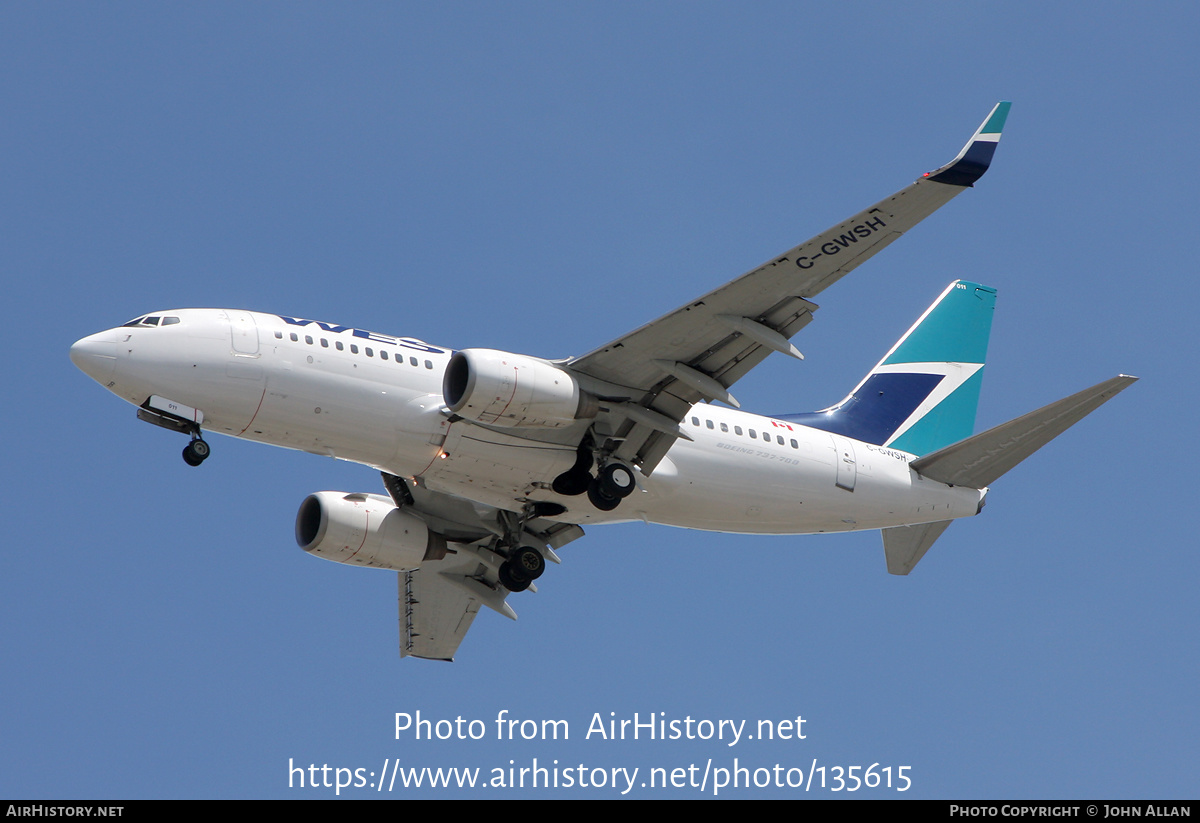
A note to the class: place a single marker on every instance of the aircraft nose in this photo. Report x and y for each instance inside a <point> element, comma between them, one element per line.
<point>96,355</point>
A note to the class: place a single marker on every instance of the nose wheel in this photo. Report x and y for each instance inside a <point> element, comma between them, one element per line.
<point>196,452</point>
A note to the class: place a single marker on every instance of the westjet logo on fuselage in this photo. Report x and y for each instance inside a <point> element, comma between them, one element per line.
<point>365,335</point>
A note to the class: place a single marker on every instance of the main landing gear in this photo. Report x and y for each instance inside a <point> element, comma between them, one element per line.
<point>524,565</point>
<point>612,485</point>
<point>605,491</point>
<point>196,452</point>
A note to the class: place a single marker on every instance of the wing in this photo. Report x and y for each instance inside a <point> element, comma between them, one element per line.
<point>652,376</point>
<point>439,600</point>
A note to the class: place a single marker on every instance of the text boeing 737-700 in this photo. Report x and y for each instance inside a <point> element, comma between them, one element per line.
<point>494,460</point>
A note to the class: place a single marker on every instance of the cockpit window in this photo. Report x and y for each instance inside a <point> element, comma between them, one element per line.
<point>152,320</point>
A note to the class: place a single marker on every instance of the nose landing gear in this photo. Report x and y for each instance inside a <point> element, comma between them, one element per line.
<point>179,418</point>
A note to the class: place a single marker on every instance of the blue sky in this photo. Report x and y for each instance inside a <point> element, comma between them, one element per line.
<point>541,178</point>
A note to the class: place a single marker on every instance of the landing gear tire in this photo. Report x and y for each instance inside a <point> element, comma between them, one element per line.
<point>511,578</point>
<point>529,562</point>
<point>195,452</point>
<point>616,480</point>
<point>601,499</point>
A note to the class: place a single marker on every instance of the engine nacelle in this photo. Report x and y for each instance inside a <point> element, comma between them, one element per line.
<point>503,389</point>
<point>365,530</point>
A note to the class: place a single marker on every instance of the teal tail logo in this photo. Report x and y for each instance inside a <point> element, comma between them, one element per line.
<point>924,393</point>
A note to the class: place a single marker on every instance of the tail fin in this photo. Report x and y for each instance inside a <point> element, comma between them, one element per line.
<point>922,396</point>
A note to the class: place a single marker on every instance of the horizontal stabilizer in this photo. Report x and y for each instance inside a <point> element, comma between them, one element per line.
<point>978,461</point>
<point>906,545</point>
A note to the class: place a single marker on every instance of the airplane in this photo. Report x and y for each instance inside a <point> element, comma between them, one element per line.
<point>493,461</point>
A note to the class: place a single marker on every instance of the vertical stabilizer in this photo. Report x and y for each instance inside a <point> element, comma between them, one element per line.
<point>923,394</point>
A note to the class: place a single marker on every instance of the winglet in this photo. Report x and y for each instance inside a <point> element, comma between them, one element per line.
<point>976,156</point>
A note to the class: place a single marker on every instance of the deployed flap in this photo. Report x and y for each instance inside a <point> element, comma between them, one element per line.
<point>439,600</point>
<point>978,461</point>
<point>906,545</point>
<point>435,612</point>
<point>707,339</point>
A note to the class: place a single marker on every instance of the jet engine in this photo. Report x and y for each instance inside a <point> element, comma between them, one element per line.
<point>365,530</point>
<point>503,389</point>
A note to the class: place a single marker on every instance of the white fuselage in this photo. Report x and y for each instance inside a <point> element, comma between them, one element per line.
<point>377,400</point>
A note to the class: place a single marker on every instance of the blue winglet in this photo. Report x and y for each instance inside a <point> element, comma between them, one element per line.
<point>976,156</point>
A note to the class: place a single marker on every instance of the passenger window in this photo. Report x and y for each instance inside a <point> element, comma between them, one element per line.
<point>737,430</point>
<point>795,445</point>
<point>370,352</point>
<point>339,345</point>
<point>429,364</point>
<point>708,423</point>
<point>724,427</point>
<point>324,343</point>
<point>308,339</point>
<point>412,361</point>
<point>354,348</point>
<point>753,435</point>
<point>278,335</point>
<point>779,439</point>
<point>695,421</point>
<point>383,354</point>
<point>294,337</point>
